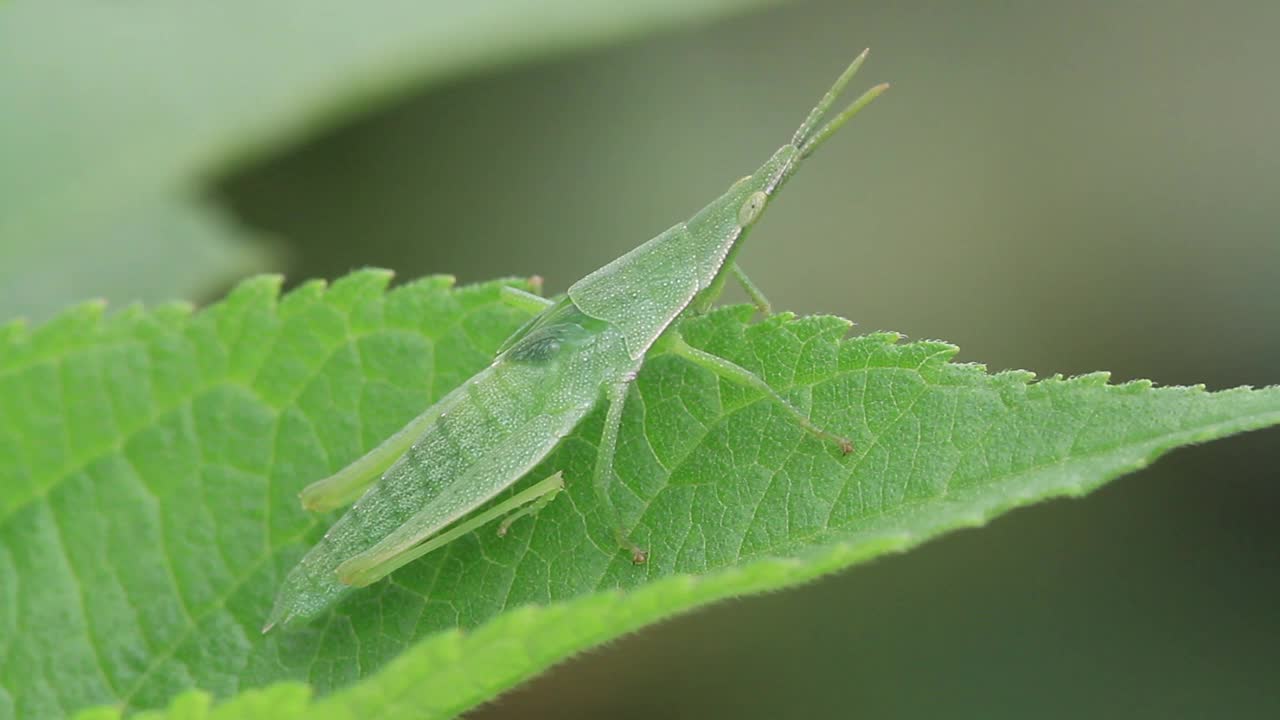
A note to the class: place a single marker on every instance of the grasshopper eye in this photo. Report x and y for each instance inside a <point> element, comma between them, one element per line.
<point>750,209</point>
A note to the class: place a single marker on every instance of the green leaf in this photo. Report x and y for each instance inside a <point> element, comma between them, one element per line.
<point>150,462</point>
<point>107,106</point>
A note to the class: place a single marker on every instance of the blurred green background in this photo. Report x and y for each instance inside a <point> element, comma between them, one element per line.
<point>1057,187</point>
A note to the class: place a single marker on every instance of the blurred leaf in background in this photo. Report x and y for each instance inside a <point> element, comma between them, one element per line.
<point>172,248</point>
<point>106,107</point>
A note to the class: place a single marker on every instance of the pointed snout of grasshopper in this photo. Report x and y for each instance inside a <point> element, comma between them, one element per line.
<point>811,134</point>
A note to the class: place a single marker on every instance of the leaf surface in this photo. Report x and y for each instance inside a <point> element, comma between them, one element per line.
<point>150,462</point>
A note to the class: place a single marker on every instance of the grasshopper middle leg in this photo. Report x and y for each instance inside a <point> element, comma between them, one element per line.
<point>603,476</point>
<point>734,372</point>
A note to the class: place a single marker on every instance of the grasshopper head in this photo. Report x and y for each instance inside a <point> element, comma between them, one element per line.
<point>746,199</point>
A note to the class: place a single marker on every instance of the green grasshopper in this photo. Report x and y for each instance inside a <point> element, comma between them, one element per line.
<point>587,346</point>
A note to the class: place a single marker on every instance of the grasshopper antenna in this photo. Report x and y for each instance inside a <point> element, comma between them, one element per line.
<point>811,134</point>
<point>806,139</point>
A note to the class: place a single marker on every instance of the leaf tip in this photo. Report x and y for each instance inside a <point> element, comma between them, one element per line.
<point>428,283</point>
<point>12,330</point>
<point>1019,376</point>
<point>176,309</point>
<point>266,283</point>
<point>303,295</point>
<point>359,286</point>
<point>1142,385</point>
<point>938,351</point>
<point>1094,379</point>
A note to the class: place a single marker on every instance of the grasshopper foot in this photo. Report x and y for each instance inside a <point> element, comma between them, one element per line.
<point>639,556</point>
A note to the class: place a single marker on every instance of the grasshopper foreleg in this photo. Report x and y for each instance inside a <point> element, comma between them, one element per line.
<point>734,372</point>
<point>753,291</point>
<point>524,300</point>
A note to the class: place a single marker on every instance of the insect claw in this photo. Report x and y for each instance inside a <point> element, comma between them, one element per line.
<point>846,446</point>
<point>267,628</point>
<point>639,556</point>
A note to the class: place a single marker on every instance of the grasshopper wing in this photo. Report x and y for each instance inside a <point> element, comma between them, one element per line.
<point>521,451</point>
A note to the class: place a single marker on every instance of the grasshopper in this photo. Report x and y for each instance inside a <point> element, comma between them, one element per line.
<point>420,488</point>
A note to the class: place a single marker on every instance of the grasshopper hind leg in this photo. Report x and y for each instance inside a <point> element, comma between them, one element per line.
<point>369,567</point>
<point>542,495</point>
<point>348,484</point>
